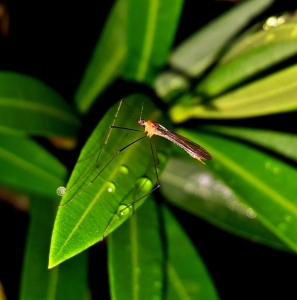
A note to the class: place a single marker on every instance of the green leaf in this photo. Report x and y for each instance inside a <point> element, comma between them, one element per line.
<point>107,58</point>
<point>265,184</point>
<point>168,85</point>
<point>90,211</point>
<point>136,256</point>
<point>151,30</point>
<point>251,55</point>
<point>273,94</point>
<point>187,277</point>
<point>283,143</point>
<point>190,186</point>
<point>27,166</point>
<point>28,106</point>
<point>68,281</point>
<point>200,50</point>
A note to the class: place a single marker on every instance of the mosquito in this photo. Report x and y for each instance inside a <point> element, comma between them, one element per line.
<point>151,128</point>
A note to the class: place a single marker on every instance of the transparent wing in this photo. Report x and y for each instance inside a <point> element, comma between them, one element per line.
<point>189,146</point>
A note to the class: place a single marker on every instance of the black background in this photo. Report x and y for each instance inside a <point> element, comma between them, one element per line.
<point>53,42</point>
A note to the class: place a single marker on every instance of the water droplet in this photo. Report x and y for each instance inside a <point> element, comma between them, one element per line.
<point>276,170</point>
<point>110,187</point>
<point>124,170</point>
<point>124,209</point>
<point>289,219</point>
<point>268,165</point>
<point>144,183</point>
<point>250,213</point>
<point>61,190</point>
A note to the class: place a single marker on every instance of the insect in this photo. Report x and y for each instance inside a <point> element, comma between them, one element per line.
<point>194,150</point>
<point>102,197</point>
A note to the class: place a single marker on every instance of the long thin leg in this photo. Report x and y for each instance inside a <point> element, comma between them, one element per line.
<point>99,153</point>
<point>137,200</point>
<point>131,129</point>
<point>106,165</point>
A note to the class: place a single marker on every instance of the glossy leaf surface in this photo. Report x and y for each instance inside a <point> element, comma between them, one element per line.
<point>262,182</point>
<point>25,165</point>
<point>187,277</point>
<point>200,50</point>
<point>68,281</point>
<point>190,186</point>
<point>107,58</point>
<point>275,93</point>
<point>136,256</point>
<point>150,33</point>
<point>29,106</point>
<point>283,143</point>
<point>89,212</point>
<point>252,54</point>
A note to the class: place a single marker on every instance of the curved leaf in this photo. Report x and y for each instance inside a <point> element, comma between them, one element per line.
<point>107,58</point>
<point>89,212</point>
<point>68,281</point>
<point>259,180</point>
<point>190,186</point>
<point>151,30</point>
<point>28,106</point>
<point>283,143</point>
<point>27,166</point>
<point>136,256</point>
<point>273,94</point>
<point>252,54</point>
<point>187,277</point>
<point>200,50</point>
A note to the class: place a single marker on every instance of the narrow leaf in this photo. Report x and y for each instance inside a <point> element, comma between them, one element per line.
<point>192,187</point>
<point>107,58</point>
<point>150,33</point>
<point>283,143</point>
<point>89,212</point>
<point>68,281</point>
<point>25,165</point>
<point>135,256</point>
<point>251,55</point>
<point>259,180</point>
<point>187,277</point>
<point>273,94</point>
<point>200,50</point>
<point>28,106</point>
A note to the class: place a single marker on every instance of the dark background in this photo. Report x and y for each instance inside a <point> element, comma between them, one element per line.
<point>53,42</point>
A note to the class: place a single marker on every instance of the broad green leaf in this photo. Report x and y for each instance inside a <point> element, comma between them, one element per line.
<point>150,33</point>
<point>262,182</point>
<point>200,50</point>
<point>107,58</point>
<point>136,256</point>
<point>29,106</point>
<point>283,143</point>
<point>272,94</point>
<point>187,277</point>
<point>68,281</point>
<point>251,55</point>
<point>90,211</point>
<point>190,186</point>
<point>25,165</point>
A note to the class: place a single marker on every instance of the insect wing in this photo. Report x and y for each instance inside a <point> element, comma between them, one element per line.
<point>189,146</point>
